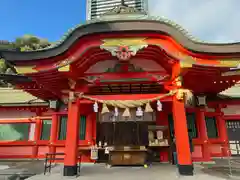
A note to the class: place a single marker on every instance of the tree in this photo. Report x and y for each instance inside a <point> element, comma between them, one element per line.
<point>31,43</point>
<point>3,66</point>
<point>24,43</point>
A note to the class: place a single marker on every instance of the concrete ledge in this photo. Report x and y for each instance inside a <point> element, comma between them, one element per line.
<point>205,163</point>
<point>220,158</point>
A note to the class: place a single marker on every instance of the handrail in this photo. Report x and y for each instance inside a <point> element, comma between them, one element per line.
<point>229,150</point>
<point>51,157</point>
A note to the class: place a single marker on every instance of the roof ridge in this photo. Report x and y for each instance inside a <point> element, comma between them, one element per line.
<point>160,19</point>
<point>141,17</point>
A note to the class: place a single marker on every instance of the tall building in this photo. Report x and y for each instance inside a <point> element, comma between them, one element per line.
<point>96,8</point>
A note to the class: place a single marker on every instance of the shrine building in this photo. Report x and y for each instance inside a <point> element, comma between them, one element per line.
<point>125,82</point>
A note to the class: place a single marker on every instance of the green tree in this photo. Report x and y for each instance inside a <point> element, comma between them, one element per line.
<point>24,43</point>
<point>3,66</point>
<point>31,43</point>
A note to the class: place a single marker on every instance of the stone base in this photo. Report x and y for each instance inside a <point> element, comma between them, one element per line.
<point>185,170</point>
<point>70,170</point>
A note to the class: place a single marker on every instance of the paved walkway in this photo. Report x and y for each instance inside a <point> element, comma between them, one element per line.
<point>100,172</point>
<point>10,169</point>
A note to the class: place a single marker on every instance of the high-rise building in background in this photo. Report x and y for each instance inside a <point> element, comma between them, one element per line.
<point>95,8</point>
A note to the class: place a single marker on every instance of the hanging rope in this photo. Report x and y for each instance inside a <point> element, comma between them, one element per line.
<point>127,103</point>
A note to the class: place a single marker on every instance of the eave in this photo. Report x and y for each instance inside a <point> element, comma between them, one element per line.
<point>116,26</point>
<point>44,104</point>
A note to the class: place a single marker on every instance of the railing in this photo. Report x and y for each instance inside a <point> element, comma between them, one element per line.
<point>232,161</point>
<point>51,158</point>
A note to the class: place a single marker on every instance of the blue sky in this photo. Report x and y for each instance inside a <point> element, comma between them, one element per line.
<point>44,18</point>
<point>207,20</point>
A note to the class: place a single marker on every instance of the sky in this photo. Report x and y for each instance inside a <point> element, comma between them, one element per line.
<point>49,19</point>
<point>208,20</point>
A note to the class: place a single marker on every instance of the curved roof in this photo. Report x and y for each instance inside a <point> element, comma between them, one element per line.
<point>129,24</point>
<point>10,96</point>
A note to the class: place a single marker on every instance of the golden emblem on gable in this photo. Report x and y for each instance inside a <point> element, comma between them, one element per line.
<point>124,48</point>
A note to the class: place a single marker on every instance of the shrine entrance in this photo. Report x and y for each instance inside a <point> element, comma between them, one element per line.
<point>128,92</point>
<point>124,135</point>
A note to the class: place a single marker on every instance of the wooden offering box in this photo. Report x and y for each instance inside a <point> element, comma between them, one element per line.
<point>127,156</point>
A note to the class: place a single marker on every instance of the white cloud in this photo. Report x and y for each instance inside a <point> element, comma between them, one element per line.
<point>208,20</point>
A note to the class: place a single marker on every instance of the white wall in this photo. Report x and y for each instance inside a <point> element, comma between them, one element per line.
<point>14,114</point>
<point>231,110</point>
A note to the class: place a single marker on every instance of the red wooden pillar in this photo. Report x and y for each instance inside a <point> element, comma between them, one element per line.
<point>54,133</point>
<point>222,131</point>
<point>71,145</point>
<point>202,129</point>
<point>185,166</point>
<point>37,135</point>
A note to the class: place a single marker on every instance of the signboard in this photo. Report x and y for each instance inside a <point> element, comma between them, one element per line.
<point>94,153</point>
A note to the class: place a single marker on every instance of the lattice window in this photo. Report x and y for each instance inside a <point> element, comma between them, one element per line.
<point>46,130</point>
<point>192,128</point>
<point>62,128</point>
<point>211,125</point>
<point>82,129</point>
<point>191,123</point>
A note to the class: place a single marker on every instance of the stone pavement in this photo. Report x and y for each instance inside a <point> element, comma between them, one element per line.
<point>100,172</point>
<point>222,168</point>
<point>10,169</point>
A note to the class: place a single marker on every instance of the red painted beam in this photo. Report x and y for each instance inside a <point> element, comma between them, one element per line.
<point>234,117</point>
<point>127,74</point>
<point>23,120</point>
<point>225,102</point>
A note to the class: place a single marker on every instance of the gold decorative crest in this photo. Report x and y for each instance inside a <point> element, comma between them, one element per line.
<point>124,48</point>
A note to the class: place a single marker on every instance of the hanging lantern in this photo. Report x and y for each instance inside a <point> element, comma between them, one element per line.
<point>201,100</point>
<point>139,112</point>
<point>95,107</point>
<point>148,108</point>
<point>159,105</point>
<point>126,113</point>
<point>116,112</point>
<point>105,109</point>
